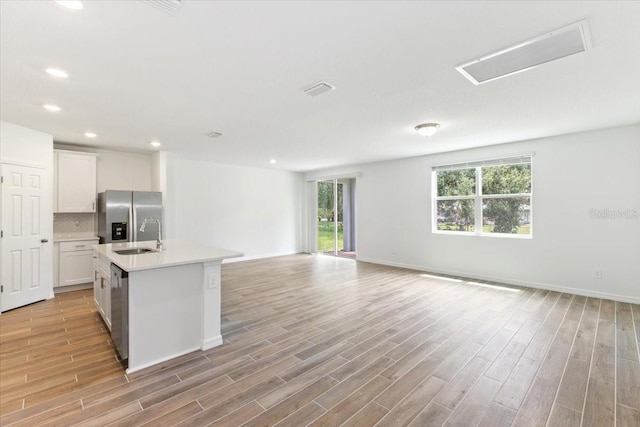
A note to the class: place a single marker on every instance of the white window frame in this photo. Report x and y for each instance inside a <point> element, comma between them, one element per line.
<point>478,196</point>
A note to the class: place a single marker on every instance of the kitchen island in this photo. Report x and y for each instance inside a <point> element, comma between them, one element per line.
<point>173,300</point>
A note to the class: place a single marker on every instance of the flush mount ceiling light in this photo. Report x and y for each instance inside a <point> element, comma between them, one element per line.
<point>52,108</point>
<point>70,4</point>
<point>90,134</point>
<point>57,72</point>
<point>427,129</point>
<point>547,47</point>
<point>273,161</point>
<point>155,144</point>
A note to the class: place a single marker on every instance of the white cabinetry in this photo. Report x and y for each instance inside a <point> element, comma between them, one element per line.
<point>102,286</point>
<point>76,262</point>
<point>75,181</point>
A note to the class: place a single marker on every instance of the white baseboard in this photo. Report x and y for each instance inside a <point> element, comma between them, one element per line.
<point>71,288</point>
<point>508,281</point>
<point>131,370</point>
<point>253,257</point>
<point>211,342</point>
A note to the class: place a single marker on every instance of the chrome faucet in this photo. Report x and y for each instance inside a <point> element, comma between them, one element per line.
<point>159,245</point>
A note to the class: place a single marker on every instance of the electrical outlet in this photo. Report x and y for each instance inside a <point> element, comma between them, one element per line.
<point>597,273</point>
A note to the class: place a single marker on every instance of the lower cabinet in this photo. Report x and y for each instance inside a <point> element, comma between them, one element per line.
<point>76,266</point>
<point>102,287</point>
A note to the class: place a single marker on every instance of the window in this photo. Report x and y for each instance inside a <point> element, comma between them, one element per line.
<point>484,198</point>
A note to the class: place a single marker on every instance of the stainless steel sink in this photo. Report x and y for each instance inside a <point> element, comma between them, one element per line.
<point>134,251</point>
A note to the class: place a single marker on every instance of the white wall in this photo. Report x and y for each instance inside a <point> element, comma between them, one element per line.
<point>23,145</point>
<point>118,170</point>
<point>572,174</point>
<point>33,148</point>
<point>252,210</point>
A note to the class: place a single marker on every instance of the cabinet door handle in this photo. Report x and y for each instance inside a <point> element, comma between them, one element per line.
<point>79,246</point>
<point>44,240</point>
<point>95,275</point>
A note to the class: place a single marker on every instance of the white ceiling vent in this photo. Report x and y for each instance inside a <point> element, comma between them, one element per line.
<point>550,46</point>
<point>170,6</point>
<point>319,88</point>
<point>213,134</point>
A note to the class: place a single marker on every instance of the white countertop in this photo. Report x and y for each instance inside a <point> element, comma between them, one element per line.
<point>175,252</point>
<point>73,237</point>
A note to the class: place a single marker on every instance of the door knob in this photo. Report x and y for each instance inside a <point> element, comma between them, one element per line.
<point>44,240</point>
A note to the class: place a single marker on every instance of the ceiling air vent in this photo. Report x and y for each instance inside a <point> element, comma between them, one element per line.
<point>213,134</point>
<point>170,6</point>
<point>547,47</point>
<point>318,89</point>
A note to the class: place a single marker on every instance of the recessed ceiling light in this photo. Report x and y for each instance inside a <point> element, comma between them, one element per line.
<point>52,108</point>
<point>90,134</point>
<point>70,4</point>
<point>57,72</point>
<point>155,144</point>
<point>427,129</point>
<point>273,161</point>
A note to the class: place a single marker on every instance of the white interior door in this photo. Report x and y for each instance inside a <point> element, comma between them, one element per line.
<point>24,247</point>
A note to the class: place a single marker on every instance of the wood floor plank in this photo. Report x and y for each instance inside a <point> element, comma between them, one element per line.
<point>566,417</point>
<point>52,416</point>
<point>536,408</point>
<point>626,342</point>
<point>627,417</point>
<point>497,416</point>
<point>315,339</point>
<point>109,417</point>
<point>456,389</point>
<point>599,404</point>
<point>239,416</point>
<point>303,416</point>
<point>574,385</point>
<point>501,368</point>
<point>298,383</point>
<point>293,403</point>
<point>340,392</point>
<point>517,384</point>
<point>628,383</point>
<point>405,411</point>
<point>352,404</point>
<point>231,403</point>
<point>433,415</point>
<point>367,416</point>
<point>472,408</point>
<point>404,385</point>
<point>173,416</point>
<point>216,397</point>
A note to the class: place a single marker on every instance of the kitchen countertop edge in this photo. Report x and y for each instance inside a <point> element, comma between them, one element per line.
<point>65,237</point>
<point>176,252</point>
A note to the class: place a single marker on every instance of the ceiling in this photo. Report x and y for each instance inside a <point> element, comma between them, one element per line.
<point>138,73</point>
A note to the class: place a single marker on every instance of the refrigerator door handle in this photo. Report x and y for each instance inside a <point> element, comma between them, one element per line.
<point>133,236</point>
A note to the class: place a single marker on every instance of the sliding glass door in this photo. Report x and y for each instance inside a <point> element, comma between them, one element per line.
<point>335,225</point>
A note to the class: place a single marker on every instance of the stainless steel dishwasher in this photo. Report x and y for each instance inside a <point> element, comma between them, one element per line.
<point>120,312</point>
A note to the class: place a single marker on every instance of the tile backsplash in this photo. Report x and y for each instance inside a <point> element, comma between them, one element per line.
<point>64,223</point>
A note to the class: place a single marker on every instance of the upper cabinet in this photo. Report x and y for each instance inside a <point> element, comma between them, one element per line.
<point>75,180</point>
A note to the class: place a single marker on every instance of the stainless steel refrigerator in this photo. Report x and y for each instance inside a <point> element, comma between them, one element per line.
<point>121,213</point>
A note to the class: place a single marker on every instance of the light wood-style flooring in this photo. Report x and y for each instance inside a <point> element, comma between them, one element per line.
<point>324,341</point>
